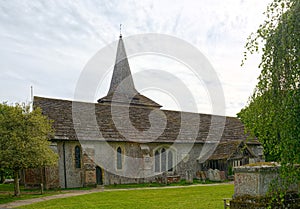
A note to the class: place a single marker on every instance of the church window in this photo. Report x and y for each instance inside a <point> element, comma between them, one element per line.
<point>119,158</point>
<point>157,161</point>
<point>77,157</point>
<point>164,160</point>
<point>170,161</point>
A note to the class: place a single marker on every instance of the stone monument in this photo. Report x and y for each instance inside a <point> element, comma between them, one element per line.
<point>251,186</point>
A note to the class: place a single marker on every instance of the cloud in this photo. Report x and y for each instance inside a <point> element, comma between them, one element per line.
<point>48,43</point>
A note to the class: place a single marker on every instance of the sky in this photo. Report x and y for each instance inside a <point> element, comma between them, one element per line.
<point>47,44</point>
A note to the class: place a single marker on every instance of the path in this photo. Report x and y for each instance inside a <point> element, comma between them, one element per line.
<point>19,203</point>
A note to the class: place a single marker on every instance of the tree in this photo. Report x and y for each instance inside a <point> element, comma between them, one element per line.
<point>24,140</point>
<point>5,173</point>
<point>273,112</point>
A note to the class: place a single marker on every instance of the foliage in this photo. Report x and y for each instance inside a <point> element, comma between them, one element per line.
<point>186,197</point>
<point>24,139</point>
<point>230,170</point>
<point>5,174</point>
<point>273,111</point>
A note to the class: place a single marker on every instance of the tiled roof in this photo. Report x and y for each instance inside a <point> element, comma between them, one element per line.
<point>138,100</point>
<point>94,121</point>
<point>225,150</point>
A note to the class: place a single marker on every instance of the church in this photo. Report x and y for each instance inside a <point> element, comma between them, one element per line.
<point>125,137</point>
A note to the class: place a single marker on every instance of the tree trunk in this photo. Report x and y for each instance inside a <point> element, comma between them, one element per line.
<point>16,180</point>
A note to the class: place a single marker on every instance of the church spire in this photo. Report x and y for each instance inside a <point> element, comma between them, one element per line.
<point>121,73</point>
<point>121,86</point>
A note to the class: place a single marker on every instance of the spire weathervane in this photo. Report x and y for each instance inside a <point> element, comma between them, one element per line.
<point>120,30</point>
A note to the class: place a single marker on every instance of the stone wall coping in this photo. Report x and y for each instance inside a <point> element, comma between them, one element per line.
<point>256,169</point>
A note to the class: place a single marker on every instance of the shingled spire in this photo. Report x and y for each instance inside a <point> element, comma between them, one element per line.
<point>121,74</point>
<point>122,88</point>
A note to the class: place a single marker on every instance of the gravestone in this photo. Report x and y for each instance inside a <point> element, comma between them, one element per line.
<point>189,177</point>
<point>215,175</point>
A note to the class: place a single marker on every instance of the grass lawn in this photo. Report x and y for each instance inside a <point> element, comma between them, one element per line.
<point>205,197</point>
<point>154,184</point>
<point>7,193</point>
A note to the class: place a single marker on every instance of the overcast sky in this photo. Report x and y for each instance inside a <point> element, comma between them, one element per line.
<point>46,44</point>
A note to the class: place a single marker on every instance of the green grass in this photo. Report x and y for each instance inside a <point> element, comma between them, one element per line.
<point>6,187</point>
<point>155,184</point>
<point>6,198</point>
<point>201,197</point>
<point>7,193</point>
<point>7,190</point>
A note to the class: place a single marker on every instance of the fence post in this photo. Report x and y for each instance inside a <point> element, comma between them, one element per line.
<point>42,188</point>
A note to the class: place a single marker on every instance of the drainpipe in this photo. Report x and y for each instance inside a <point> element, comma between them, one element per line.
<point>64,157</point>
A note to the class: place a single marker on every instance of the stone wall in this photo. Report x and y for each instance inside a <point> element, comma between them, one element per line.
<point>251,186</point>
<point>74,176</point>
<point>253,181</point>
<point>89,167</point>
<point>291,201</point>
<point>138,162</point>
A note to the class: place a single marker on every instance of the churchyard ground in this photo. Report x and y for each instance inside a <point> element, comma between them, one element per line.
<point>197,196</point>
<point>7,193</point>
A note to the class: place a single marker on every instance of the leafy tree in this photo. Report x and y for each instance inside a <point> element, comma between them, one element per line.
<point>24,140</point>
<point>273,112</point>
<point>4,174</point>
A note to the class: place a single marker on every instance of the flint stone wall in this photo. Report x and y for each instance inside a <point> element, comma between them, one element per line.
<point>251,185</point>
<point>255,180</point>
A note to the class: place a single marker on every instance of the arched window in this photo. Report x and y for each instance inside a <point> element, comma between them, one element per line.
<point>119,158</point>
<point>77,157</point>
<point>157,161</point>
<point>164,160</point>
<point>170,161</point>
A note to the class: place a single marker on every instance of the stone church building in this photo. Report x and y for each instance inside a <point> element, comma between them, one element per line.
<point>127,138</point>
